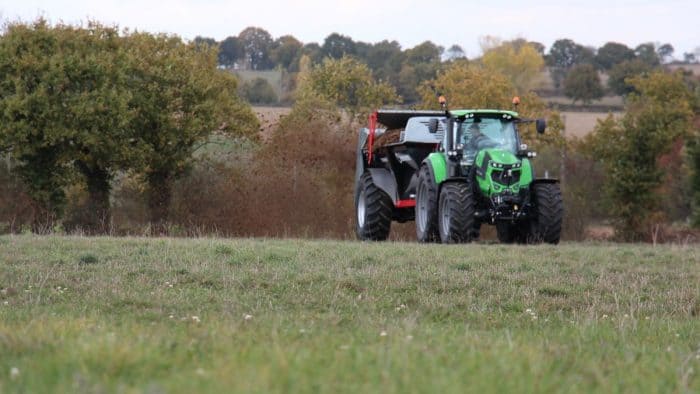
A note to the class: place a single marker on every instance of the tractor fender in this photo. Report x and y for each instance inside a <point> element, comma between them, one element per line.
<point>437,166</point>
<point>385,180</point>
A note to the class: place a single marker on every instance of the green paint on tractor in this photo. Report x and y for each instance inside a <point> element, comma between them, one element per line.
<point>466,112</point>
<point>500,171</point>
<point>439,166</point>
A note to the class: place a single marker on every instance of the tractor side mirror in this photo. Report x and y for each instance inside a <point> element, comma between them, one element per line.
<point>540,125</point>
<point>432,126</point>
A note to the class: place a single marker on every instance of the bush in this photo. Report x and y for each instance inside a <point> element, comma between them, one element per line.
<point>258,91</point>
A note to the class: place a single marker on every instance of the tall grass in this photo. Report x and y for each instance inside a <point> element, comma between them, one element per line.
<point>256,315</point>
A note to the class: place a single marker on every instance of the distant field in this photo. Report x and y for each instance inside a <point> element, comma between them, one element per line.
<point>269,118</point>
<point>253,315</point>
<point>611,101</point>
<point>577,123</point>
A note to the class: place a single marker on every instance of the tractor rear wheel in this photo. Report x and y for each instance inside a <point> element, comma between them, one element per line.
<point>545,223</point>
<point>456,216</point>
<point>373,210</point>
<point>426,207</point>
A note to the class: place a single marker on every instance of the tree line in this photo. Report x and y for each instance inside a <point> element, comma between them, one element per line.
<point>82,105</point>
<point>574,67</point>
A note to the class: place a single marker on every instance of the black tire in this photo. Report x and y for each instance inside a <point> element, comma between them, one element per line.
<point>507,232</point>
<point>456,216</point>
<point>373,210</point>
<point>547,215</point>
<point>476,230</point>
<point>426,207</point>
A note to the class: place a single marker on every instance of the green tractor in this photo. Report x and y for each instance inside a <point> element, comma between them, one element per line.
<point>452,172</point>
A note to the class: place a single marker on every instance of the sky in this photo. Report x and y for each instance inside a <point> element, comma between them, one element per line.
<point>410,22</point>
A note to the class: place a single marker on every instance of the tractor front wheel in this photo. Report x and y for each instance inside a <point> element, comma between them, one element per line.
<point>373,210</point>
<point>456,216</point>
<point>547,215</point>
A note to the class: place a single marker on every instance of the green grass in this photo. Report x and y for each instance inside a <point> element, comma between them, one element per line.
<point>215,315</point>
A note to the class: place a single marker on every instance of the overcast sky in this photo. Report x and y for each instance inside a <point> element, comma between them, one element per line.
<point>410,22</point>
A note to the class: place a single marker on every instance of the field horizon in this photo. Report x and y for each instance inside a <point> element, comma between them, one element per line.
<point>101,314</point>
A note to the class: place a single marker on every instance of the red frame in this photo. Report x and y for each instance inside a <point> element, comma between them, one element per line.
<point>372,130</point>
<point>405,203</point>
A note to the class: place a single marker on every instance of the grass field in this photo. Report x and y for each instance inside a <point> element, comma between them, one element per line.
<point>182,315</point>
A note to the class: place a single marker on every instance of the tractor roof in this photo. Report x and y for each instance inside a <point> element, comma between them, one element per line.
<point>463,112</point>
<point>396,119</point>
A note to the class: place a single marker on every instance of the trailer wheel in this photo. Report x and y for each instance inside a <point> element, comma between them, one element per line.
<point>373,210</point>
<point>426,207</point>
<point>545,224</point>
<point>456,217</point>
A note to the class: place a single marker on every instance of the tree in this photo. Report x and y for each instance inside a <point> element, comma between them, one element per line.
<point>231,51</point>
<point>286,52</point>
<point>259,91</point>
<point>425,52</point>
<point>385,59</point>
<point>313,51</point>
<point>336,46</point>
<point>583,83</point>
<point>517,60</point>
<point>179,98</point>
<point>420,63</point>
<point>689,57</point>
<point>647,54</point>
<point>565,54</point>
<point>64,112</point>
<point>665,52</point>
<point>205,41</point>
<point>619,74</point>
<point>694,158</point>
<point>656,115</point>
<point>539,47</point>
<point>344,83</point>
<point>257,43</point>
<point>613,53</point>
<point>474,86</point>
<point>456,52</point>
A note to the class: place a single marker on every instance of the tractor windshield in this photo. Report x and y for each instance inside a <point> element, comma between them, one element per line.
<point>484,133</point>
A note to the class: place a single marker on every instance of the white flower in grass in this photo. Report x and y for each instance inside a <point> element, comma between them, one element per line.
<point>247,317</point>
<point>14,373</point>
<point>6,302</point>
<point>196,319</point>
<point>171,316</point>
<point>409,337</point>
<point>383,334</point>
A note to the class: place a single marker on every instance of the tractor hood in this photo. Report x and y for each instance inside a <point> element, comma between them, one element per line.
<point>499,171</point>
